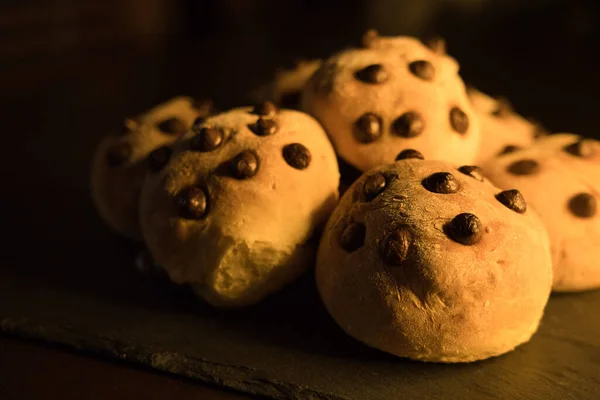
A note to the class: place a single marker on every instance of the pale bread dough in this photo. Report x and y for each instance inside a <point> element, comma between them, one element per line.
<point>254,235</point>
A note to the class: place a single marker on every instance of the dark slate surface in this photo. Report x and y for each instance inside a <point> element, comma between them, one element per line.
<point>64,278</point>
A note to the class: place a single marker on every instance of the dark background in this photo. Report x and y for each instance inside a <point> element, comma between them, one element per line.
<point>71,70</point>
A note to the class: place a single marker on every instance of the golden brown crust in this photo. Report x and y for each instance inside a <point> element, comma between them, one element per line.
<point>551,174</point>
<point>412,288</point>
<point>251,237</point>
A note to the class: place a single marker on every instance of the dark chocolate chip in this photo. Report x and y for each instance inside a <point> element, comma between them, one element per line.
<point>296,155</point>
<point>523,167</point>
<point>459,120</point>
<point>291,100</point>
<point>264,127</point>
<point>374,185</point>
<point>173,126</point>
<point>409,153</point>
<point>207,139</point>
<point>192,203</point>
<point>583,205</point>
<point>158,158</point>
<point>265,108</point>
<point>118,154</point>
<point>465,229</point>
<point>367,128</point>
<point>422,69</point>
<point>436,44</point>
<point>503,109</point>
<point>395,247</point>
<point>244,165</point>
<point>442,183</point>
<point>582,148</point>
<point>374,73</point>
<point>509,149</point>
<point>409,124</point>
<point>513,199</point>
<point>473,171</point>
<point>369,38</point>
<point>353,237</point>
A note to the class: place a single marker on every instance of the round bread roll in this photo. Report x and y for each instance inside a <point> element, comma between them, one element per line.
<point>234,209</point>
<point>502,129</point>
<point>121,162</point>
<point>425,260</point>
<point>393,93</point>
<point>560,177</point>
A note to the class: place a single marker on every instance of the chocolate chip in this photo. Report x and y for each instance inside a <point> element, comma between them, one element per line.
<point>367,128</point>
<point>296,155</point>
<point>158,158</point>
<point>244,165</point>
<point>582,148</point>
<point>422,69</point>
<point>353,237</point>
<point>291,100</point>
<point>265,108</point>
<point>374,185</point>
<point>409,124</point>
<point>173,126</point>
<point>465,229</point>
<point>459,120</point>
<point>509,149</point>
<point>394,248</point>
<point>473,171</point>
<point>192,203</point>
<point>513,199</point>
<point>118,154</point>
<point>436,44</point>
<point>207,139</point>
<point>583,205</point>
<point>369,38</point>
<point>442,183</point>
<point>409,153</point>
<point>374,73</point>
<point>264,127</point>
<point>523,167</point>
<point>503,108</point>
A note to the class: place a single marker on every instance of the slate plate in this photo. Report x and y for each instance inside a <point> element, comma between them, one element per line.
<point>88,296</point>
